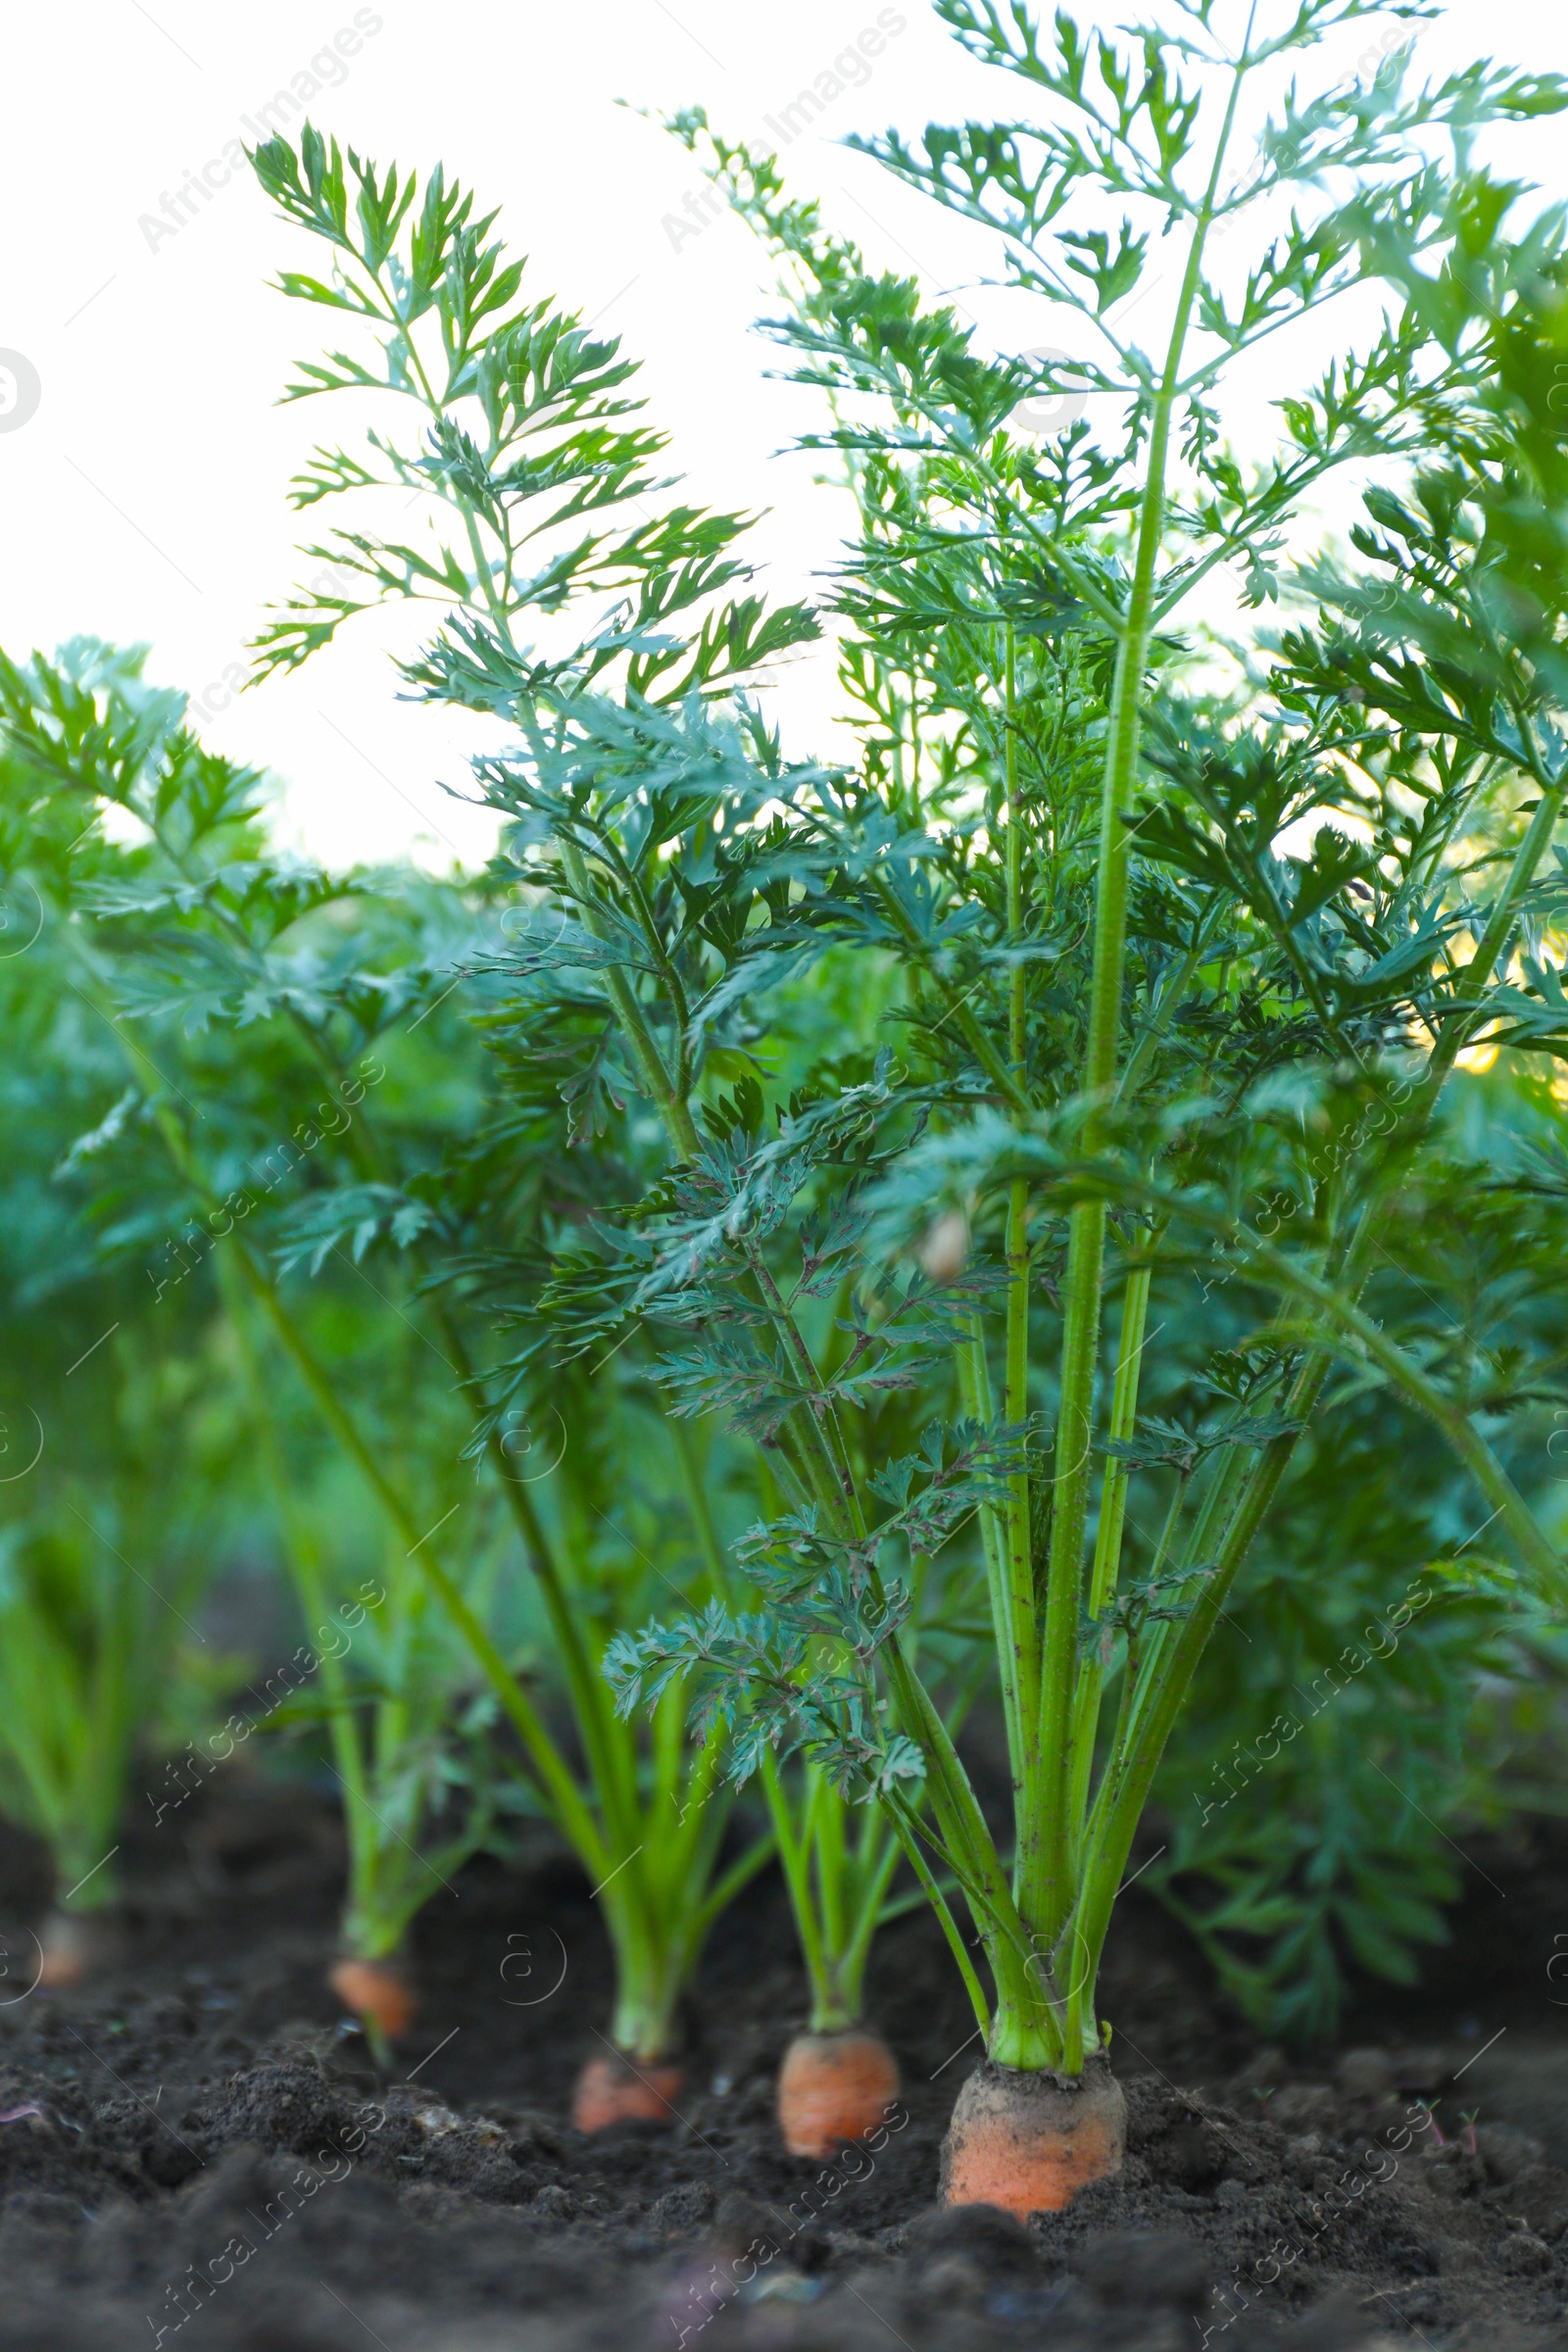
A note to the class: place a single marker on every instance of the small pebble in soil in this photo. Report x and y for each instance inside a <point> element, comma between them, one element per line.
<point>782,2285</point>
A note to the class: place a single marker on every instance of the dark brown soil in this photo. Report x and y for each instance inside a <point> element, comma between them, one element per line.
<point>194,2152</point>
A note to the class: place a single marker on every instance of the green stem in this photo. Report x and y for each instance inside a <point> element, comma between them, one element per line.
<point>1047,1889</point>
<point>731,1881</point>
<point>700,1508</point>
<point>1021,1632</point>
<point>959,1010</point>
<point>1129,1793</point>
<point>875,1869</point>
<point>610,1753</point>
<point>655,1078</point>
<point>560,1789</point>
<point>794,1860</point>
<point>1108,1538</point>
<point>363,1830</point>
<point>974,1390</point>
<point>903,1830</point>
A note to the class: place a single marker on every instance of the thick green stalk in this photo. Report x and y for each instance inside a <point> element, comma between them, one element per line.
<point>909,1839</point>
<point>660,1905</point>
<point>794,1860</point>
<point>1022,1635</point>
<point>1023,2027</point>
<point>1047,1891</point>
<point>651,1975</point>
<point>974,1394</point>
<point>1108,1538</point>
<point>1112,1842</point>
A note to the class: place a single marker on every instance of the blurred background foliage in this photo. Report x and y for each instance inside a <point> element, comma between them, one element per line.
<point>1384,1687</point>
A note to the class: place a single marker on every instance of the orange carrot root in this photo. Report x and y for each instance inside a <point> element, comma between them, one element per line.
<point>833,2087</point>
<point>75,1945</point>
<point>1029,2141</point>
<point>381,1991</point>
<point>615,2090</point>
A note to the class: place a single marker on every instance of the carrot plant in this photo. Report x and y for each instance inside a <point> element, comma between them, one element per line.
<point>383,1672</point>
<point>529,443</point>
<point>294,1108</point>
<point>1132,1010</point>
<point>187,949</point>
<point>122,1457</point>
<point>1119,998</point>
<point>838,1858</point>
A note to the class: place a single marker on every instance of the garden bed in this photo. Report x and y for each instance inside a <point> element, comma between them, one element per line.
<point>202,2114</point>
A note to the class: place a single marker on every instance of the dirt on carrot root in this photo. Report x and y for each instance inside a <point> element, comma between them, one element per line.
<point>195,2152</point>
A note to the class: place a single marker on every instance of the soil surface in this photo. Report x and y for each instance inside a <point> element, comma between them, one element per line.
<point>195,2152</point>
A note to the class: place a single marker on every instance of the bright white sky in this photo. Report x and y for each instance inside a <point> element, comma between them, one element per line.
<point>145,499</point>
